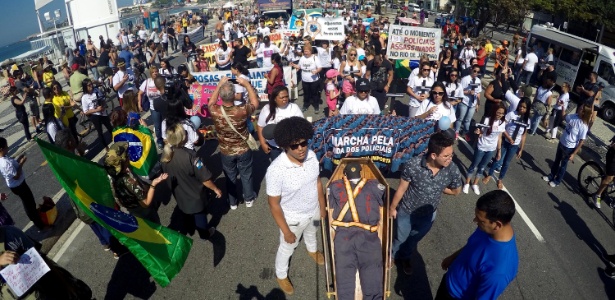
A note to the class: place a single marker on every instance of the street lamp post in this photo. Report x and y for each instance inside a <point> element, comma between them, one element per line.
<point>54,19</point>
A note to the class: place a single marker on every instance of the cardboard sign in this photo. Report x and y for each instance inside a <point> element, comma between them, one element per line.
<point>409,42</point>
<point>329,29</point>
<point>210,49</point>
<point>25,273</point>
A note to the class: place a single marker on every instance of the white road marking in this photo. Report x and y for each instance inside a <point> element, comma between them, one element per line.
<point>68,241</point>
<point>518,208</point>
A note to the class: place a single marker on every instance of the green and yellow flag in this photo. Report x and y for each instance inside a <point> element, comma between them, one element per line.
<point>160,250</point>
<point>141,147</point>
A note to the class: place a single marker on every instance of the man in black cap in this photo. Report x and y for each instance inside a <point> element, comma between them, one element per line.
<point>362,103</point>
<point>356,204</point>
<point>547,73</point>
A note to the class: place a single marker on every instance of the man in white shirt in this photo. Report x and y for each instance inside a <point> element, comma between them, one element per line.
<point>296,196</point>
<point>466,55</point>
<point>227,29</point>
<point>123,80</point>
<point>263,29</point>
<point>528,66</point>
<point>142,34</point>
<point>266,49</point>
<point>362,103</point>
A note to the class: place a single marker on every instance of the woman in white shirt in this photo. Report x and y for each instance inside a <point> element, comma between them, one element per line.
<point>437,105</point>
<point>558,113</point>
<point>166,69</point>
<point>539,106</point>
<point>95,110</point>
<point>453,87</point>
<point>351,71</point>
<point>53,125</point>
<point>419,88</point>
<point>569,145</point>
<point>223,56</point>
<point>489,142</point>
<point>278,109</point>
<point>164,36</point>
<point>177,114</point>
<point>310,68</point>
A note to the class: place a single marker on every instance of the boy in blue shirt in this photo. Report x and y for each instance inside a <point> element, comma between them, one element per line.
<point>489,261</point>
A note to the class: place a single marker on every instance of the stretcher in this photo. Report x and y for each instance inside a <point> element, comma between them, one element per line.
<point>385,229</point>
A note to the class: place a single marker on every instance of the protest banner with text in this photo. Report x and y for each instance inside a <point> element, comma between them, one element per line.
<point>388,141</point>
<point>210,49</point>
<point>323,28</point>
<point>410,42</point>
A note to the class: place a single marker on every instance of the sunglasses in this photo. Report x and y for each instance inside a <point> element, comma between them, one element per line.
<point>302,144</point>
<point>426,70</point>
<point>362,91</point>
<point>453,75</point>
<point>476,71</point>
<point>440,94</point>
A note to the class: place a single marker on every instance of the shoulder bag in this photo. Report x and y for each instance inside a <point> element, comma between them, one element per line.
<point>145,98</point>
<point>252,144</point>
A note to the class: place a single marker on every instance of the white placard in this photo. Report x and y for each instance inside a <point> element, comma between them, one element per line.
<point>323,28</point>
<point>25,273</point>
<point>411,42</point>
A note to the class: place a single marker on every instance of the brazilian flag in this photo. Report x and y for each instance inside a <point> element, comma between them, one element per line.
<point>403,67</point>
<point>161,250</point>
<point>141,150</point>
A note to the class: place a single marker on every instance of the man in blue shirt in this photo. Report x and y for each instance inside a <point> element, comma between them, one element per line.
<point>489,261</point>
<point>127,56</point>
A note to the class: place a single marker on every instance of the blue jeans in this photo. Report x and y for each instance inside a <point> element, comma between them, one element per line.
<point>157,118</point>
<point>95,73</point>
<point>410,231</point>
<point>103,235</point>
<point>534,122</point>
<point>201,224</point>
<point>242,164</point>
<point>527,75</point>
<point>464,116</point>
<point>558,169</point>
<point>480,160</point>
<point>508,152</point>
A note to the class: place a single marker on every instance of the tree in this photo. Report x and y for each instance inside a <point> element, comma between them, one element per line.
<point>499,12</point>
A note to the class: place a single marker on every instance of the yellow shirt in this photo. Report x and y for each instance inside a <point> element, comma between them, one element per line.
<point>58,103</point>
<point>489,48</point>
<point>48,78</point>
<point>184,22</point>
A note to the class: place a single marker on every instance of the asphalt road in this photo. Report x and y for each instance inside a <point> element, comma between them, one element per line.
<point>560,240</point>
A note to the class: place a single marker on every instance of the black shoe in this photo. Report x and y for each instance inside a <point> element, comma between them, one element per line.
<point>407,266</point>
<point>610,259</point>
<point>316,111</point>
<point>304,109</point>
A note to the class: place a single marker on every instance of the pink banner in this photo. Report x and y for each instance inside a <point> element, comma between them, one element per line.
<point>200,94</point>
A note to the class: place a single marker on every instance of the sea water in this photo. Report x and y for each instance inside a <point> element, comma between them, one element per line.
<point>14,49</point>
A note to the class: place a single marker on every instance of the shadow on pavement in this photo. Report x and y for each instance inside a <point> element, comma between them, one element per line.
<point>252,293</point>
<point>609,284</point>
<point>414,286</point>
<point>129,278</point>
<point>578,226</point>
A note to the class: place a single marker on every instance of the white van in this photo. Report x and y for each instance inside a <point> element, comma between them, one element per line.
<point>414,7</point>
<point>575,59</point>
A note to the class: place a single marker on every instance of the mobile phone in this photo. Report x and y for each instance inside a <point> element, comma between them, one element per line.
<point>233,80</point>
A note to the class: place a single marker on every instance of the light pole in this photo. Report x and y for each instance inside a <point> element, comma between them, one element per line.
<point>54,19</point>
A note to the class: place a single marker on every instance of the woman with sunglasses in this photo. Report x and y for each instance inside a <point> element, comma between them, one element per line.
<point>310,68</point>
<point>496,90</point>
<point>64,104</point>
<point>223,56</point>
<point>453,87</point>
<point>447,63</point>
<point>437,106</point>
<point>350,70</point>
<point>94,109</point>
<point>419,87</point>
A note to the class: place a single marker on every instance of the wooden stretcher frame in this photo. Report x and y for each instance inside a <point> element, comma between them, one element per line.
<point>385,230</point>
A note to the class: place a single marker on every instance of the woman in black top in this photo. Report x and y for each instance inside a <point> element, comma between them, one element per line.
<point>447,63</point>
<point>496,91</point>
<point>188,47</point>
<point>20,111</point>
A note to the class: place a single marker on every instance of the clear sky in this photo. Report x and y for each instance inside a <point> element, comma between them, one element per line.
<point>19,18</point>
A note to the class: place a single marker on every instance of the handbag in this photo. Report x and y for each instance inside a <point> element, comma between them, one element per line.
<point>252,144</point>
<point>145,99</point>
<point>48,211</point>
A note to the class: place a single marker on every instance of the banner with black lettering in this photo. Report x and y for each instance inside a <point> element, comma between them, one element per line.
<point>325,28</point>
<point>411,42</point>
<point>389,141</point>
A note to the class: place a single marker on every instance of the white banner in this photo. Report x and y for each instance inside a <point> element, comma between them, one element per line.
<point>411,42</point>
<point>330,29</point>
<point>257,79</point>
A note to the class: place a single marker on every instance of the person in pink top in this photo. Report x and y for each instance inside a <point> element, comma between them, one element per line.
<point>332,91</point>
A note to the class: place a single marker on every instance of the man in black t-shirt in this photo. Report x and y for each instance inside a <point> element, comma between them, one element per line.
<point>172,38</point>
<point>241,53</point>
<point>80,60</point>
<point>103,63</point>
<point>380,72</point>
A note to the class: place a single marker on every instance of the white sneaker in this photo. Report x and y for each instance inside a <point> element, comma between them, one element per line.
<point>546,178</point>
<point>249,203</point>
<point>476,189</point>
<point>552,184</point>
<point>466,188</point>
<point>233,207</point>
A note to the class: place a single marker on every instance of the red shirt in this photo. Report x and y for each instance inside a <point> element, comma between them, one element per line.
<point>481,61</point>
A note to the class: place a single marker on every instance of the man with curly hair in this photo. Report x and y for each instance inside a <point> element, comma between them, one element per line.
<point>296,196</point>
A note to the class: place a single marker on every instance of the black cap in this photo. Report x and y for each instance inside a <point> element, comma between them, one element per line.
<point>268,131</point>
<point>362,84</point>
<point>353,170</point>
